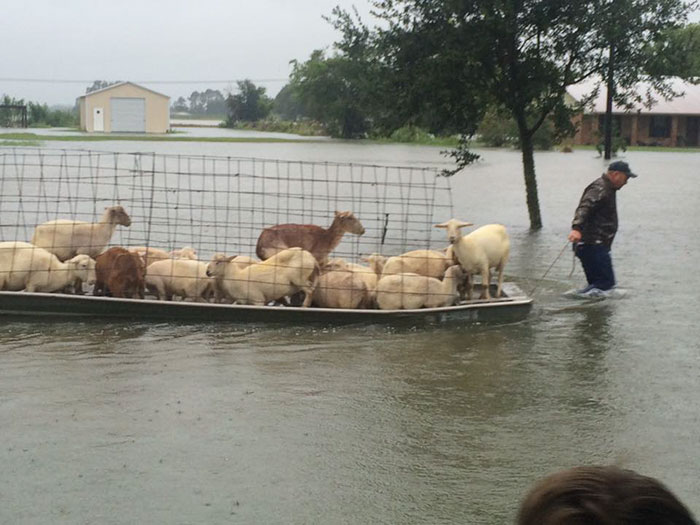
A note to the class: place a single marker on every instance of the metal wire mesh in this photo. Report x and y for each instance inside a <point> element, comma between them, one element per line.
<point>220,204</point>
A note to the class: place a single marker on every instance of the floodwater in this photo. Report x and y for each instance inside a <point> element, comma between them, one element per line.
<point>121,422</point>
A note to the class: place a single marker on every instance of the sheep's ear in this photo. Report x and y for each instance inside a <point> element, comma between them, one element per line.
<point>442,225</point>
<point>465,224</point>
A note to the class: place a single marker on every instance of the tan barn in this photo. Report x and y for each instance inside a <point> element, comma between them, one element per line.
<point>124,107</point>
<point>673,122</point>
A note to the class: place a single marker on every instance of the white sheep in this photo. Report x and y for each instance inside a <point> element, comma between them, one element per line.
<point>149,255</point>
<point>430,263</point>
<point>284,274</point>
<point>407,291</point>
<point>479,251</point>
<point>369,274</point>
<point>66,238</point>
<point>225,273</point>
<point>182,277</point>
<point>341,289</point>
<point>24,266</point>
<point>186,252</point>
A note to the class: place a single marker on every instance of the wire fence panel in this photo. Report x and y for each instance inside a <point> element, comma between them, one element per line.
<point>221,204</point>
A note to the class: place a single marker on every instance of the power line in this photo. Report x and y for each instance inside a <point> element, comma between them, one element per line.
<point>73,81</point>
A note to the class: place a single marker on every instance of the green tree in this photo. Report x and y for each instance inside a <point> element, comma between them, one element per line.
<point>329,91</point>
<point>677,54</point>
<point>250,104</point>
<point>286,104</point>
<point>456,59</point>
<point>180,104</point>
<point>214,102</point>
<point>10,118</point>
<point>626,58</point>
<point>209,102</point>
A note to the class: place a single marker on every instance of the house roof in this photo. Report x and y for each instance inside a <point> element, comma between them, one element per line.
<point>121,84</point>
<point>687,104</point>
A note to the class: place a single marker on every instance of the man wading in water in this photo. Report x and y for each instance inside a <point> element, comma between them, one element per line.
<point>594,226</point>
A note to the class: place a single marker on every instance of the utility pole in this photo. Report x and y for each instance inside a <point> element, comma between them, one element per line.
<point>608,104</point>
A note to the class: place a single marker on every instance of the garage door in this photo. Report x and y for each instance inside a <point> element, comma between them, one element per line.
<point>128,114</point>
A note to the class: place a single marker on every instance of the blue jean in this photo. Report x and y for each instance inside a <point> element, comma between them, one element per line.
<point>597,265</point>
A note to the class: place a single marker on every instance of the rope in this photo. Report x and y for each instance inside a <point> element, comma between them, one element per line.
<point>550,267</point>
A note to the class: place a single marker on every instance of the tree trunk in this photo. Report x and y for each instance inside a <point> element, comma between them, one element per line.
<point>608,105</point>
<point>527,149</point>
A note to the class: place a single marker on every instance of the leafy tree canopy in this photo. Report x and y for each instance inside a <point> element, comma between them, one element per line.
<point>249,104</point>
<point>677,54</point>
<point>447,62</point>
<point>330,91</point>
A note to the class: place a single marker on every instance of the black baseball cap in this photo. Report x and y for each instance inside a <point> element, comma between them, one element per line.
<point>620,165</point>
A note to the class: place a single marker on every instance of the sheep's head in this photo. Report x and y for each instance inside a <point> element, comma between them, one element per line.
<point>376,262</point>
<point>118,215</point>
<point>348,222</point>
<point>453,226</point>
<point>217,266</point>
<point>84,268</point>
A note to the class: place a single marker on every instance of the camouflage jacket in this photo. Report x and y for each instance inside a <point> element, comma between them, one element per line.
<point>596,215</point>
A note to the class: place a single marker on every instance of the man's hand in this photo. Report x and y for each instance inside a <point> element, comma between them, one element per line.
<point>575,236</point>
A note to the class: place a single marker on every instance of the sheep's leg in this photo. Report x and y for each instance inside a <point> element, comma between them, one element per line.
<point>485,281</point>
<point>469,285</point>
<point>308,295</point>
<point>500,268</point>
<point>78,287</point>
<point>160,292</point>
<point>466,283</point>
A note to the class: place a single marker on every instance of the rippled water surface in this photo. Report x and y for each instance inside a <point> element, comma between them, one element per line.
<point>119,422</point>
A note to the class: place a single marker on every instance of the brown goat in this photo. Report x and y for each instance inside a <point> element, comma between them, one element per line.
<point>119,272</point>
<point>315,239</point>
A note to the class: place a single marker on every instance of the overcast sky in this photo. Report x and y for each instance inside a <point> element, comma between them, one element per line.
<point>156,40</point>
<point>149,40</point>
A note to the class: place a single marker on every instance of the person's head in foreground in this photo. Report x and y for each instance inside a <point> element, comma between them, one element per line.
<point>601,496</point>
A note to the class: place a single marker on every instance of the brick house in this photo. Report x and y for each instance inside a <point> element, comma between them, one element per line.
<point>667,123</point>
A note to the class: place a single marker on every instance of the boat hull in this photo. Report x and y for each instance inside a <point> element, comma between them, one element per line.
<point>514,306</point>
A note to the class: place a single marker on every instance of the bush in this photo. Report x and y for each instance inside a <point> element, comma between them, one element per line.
<point>411,134</point>
<point>498,130</point>
<point>40,115</point>
<point>618,141</point>
<point>298,127</point>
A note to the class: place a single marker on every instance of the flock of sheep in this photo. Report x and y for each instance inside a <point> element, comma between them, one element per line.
<point>293,260</point>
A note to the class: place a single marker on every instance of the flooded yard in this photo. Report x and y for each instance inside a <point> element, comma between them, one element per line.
<point>136,422</point>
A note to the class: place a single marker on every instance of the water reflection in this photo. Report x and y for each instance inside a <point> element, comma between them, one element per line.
<point>368,424</point>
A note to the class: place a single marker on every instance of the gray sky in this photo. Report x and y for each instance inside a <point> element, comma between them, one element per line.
<point>159,40</point>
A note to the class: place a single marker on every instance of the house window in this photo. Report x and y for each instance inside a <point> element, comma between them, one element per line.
<point>660,127</point>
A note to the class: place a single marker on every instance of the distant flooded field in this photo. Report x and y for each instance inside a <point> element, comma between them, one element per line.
<point>136,422</point>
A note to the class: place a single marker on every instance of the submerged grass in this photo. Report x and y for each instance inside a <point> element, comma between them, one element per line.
<point>32,139</point>
<point>138,138</point>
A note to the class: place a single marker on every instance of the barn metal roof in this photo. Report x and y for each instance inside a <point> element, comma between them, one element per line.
<point>687,104</point>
